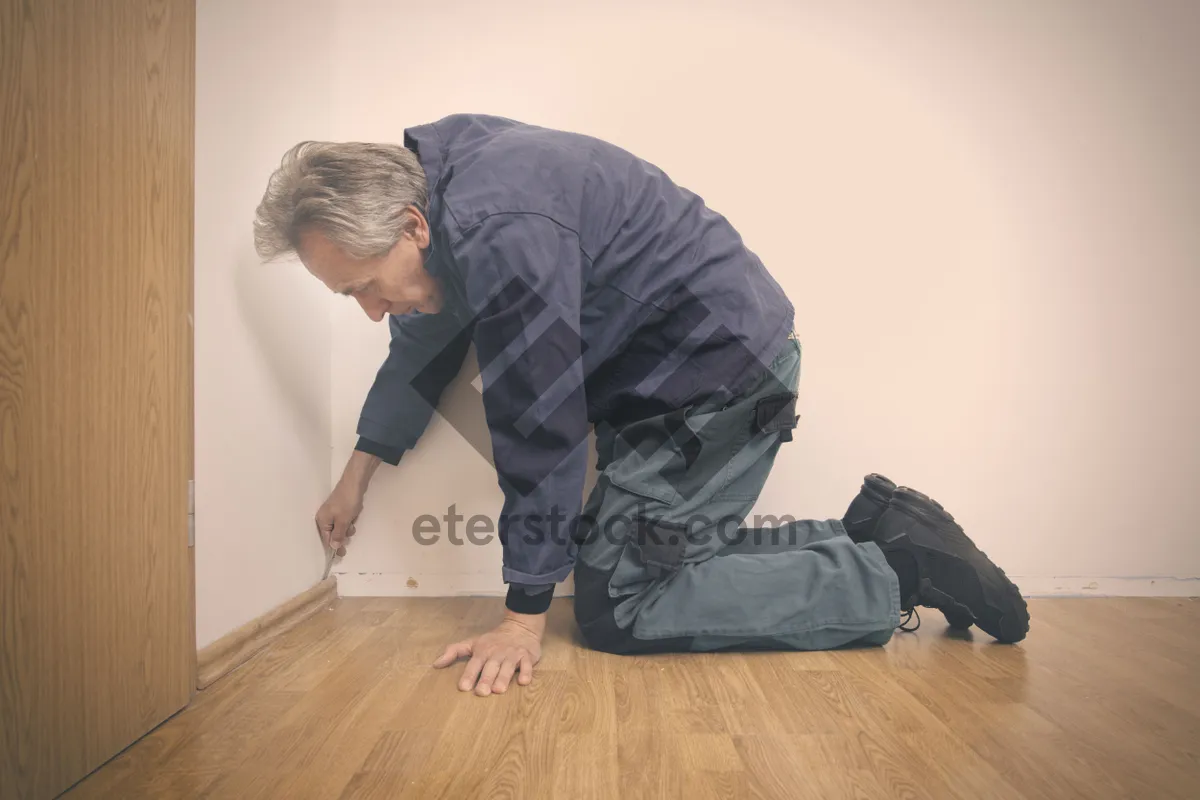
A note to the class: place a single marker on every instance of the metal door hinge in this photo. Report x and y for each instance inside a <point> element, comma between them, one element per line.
<point>191,513</point>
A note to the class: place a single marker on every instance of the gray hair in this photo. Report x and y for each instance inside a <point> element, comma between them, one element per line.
<point>354,193</point>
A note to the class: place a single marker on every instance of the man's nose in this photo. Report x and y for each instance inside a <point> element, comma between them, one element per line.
<point>374,307</point>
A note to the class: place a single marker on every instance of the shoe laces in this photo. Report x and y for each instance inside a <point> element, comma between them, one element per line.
<point>908,615</point>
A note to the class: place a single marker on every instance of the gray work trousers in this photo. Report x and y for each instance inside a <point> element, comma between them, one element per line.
<point>664,563</point>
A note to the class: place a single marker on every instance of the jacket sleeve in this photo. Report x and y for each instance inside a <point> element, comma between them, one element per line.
<point>524,278</point>
<point>426,352</point>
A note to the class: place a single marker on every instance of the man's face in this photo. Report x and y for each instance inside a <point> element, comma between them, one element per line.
<point>394,283</point>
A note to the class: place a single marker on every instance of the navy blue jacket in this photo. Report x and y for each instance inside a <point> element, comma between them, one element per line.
<point>595,289</point>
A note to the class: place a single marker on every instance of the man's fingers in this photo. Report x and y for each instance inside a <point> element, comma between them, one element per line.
<point>324,529</point>
<point>339,532</point>
<point>342,531</point>
<point>487,677</point>
<point>470,674</point>
<point>453,653</point>
<point>490,671</point>
<point>505,676</point>
<point>341,551</point>
<point>526,675</point>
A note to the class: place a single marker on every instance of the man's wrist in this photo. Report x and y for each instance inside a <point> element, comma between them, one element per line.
<point>387,453</point>
<point>535,623</point>
<point>358,471</point>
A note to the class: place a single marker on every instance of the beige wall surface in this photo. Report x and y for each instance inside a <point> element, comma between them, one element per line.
<point>983,212</point>
<point>262,331</point>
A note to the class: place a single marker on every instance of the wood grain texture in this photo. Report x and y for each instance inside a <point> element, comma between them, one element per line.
<point>1101,701</point>
<point>96,138</point>
<point>236,647</point>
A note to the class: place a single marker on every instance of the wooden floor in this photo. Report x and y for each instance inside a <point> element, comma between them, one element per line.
<point>1102,700</point>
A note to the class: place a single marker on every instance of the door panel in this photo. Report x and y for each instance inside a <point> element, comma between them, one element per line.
<point>96,139</point>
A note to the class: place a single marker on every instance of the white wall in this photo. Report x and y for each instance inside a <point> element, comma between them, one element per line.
<point>984,213</point>
<point>262,332</point>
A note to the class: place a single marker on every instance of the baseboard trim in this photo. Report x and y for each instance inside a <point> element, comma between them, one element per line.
<point>236,647</point>
<point>420,584</point>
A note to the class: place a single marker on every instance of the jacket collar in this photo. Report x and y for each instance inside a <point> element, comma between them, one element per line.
<point>430,149</point>
<point>431,152</point>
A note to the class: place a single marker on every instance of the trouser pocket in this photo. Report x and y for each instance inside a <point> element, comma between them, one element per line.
<point>776,413</point>
<point>646,459</point>
<point>662,545</point>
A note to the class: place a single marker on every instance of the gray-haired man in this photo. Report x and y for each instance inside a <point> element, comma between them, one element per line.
<point>600,293</point>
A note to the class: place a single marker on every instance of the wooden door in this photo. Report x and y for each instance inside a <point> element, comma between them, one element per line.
<point>96,140</point>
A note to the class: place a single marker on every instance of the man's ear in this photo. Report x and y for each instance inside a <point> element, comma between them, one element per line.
<point>416,227</point>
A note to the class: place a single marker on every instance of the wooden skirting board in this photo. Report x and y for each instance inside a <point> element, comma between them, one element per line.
<point>237,646</point>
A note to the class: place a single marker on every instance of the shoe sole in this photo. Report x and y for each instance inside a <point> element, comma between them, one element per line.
<point>958,620</point>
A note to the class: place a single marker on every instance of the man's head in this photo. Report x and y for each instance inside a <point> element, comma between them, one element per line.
<point>355,215</point>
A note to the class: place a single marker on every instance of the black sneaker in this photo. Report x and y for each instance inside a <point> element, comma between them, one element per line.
<point>863,515</point>
<point>953,575</point>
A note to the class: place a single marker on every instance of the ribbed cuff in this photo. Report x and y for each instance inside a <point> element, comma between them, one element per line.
<point>390,455</point>
<point>521,601</point>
